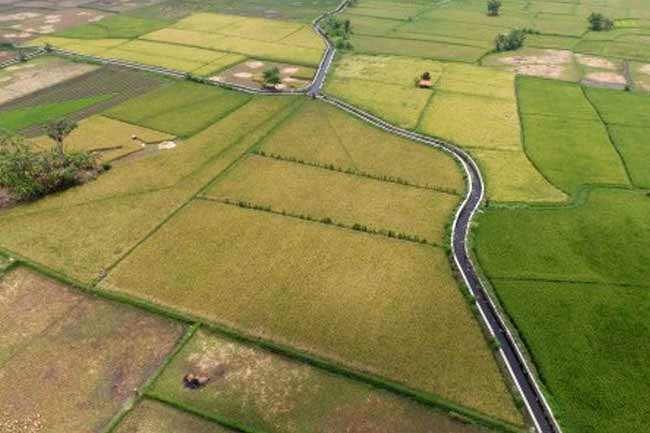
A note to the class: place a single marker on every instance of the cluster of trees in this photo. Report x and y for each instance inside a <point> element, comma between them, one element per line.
<point>493,7</point>
<point>599,22</point>
<point>512,40</point>
<point>272,77</point>
<point>339,32</point>
<point>29,173</point>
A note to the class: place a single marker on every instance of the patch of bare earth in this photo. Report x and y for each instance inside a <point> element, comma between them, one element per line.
<point>250,74</point>
<point>70,361</point>
<point>545,63</point>
<point>29,77</point>
<point>595,62</point>
<point>645,69</point>
<point>606,79</point>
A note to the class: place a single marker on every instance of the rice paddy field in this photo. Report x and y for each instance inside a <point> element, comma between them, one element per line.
<point>252,387</point>
<point>92,355</point>
<point>298,283</point>
<point>490,126</point>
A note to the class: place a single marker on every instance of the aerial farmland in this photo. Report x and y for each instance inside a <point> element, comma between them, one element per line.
<point>324,216</point>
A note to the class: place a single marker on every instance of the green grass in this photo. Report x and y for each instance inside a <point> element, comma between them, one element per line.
<point>604,241</point>
<point>251,391</point>
<point>182,109</point>
<point>118,26</point>
<point>324,290</point>
<point>634,145</point>
<point>562,275</point>
<point>18,119</point>
<point>621,108</point>
<point>561,125</point>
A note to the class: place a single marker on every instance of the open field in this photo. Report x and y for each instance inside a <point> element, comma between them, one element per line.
<point>110,138</point>
<point>560,124</point>
<point>298,189</point>
<point>20,80</point>
<point>100,222</point>
<point>183,109</point>
<point>151,416</point>
<point>272,9</point>
<point>118,26</point>
<point>251,386</point>
<point>328,291</point>
<point>92,355</point>
<point>346,143</point>
<point>22,118</point>
<point>579,299</point>
<point>490,120</point>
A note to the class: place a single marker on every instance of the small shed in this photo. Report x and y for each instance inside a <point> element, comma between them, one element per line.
<point>425,84</point>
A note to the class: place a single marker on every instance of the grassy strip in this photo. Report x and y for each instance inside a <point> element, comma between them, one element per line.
<point>126,409</point>
<point>326,220</point>
<point>352,172</point>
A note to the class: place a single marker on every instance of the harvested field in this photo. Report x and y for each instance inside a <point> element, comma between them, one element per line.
<point>328,291</point>
<point>271,9</point>
<point>109,138</point>
<point>118,26</point>
<point>120,84</point>
<point>24,24</point>
<point>21,80</point>
<point>182,109</point>
<point>251,74</point>
<point>151,416</point>
<point>92,355</point>
<point>349,144</point>
<point>250,385</point>
<point>298,189</point>
<point>544,63</point>
<point>111,214</point>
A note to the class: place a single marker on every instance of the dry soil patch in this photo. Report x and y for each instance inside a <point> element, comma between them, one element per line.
<point>250,74</point>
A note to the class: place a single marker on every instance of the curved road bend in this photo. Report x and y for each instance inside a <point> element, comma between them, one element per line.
<point>536,404</point>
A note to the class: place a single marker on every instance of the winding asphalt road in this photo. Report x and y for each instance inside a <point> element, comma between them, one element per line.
<point>537,406</point>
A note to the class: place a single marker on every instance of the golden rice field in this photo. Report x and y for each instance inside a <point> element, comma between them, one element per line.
<point>324,290</point>
<point>348,143</point>
<point>347,199</point>
<point>253,390</point>
<point>111,138</point>
<point>101,222</point>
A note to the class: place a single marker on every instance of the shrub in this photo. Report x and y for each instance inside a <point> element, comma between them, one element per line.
<point>272,77</point>
<point>510,41</point>
<point>30,174</point>
<point>599,22</point>
<point>493,7</point>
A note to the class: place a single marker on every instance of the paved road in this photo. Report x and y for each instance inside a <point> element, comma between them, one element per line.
<point>521,374</point>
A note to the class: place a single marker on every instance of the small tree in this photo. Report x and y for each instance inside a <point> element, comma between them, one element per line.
<point>599,22</point>
<point>426,76</point>
<point>493,7</point>
<point>510,41</point>
<point>272,77</point>
<point>58,130</point>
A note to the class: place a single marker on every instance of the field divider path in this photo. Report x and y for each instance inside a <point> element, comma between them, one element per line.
<point>525,381</point>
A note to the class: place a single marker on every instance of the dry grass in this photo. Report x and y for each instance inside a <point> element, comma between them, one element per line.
<point>346,199</point>
<point>268,392</point>
<point>98,133</point>
<point>153,417</point>
<point>349,143</point>
<point>75,360</point>
<point>473,121</point>
<point>328,291</point>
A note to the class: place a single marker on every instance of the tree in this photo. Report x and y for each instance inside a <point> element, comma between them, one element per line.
<point>599,22</point>
<point>272,77</point>
<point>58,130</point>
<point>510,41</point>
<point>426,76</point>
<point>493,7</point>
<point>347,27</point>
